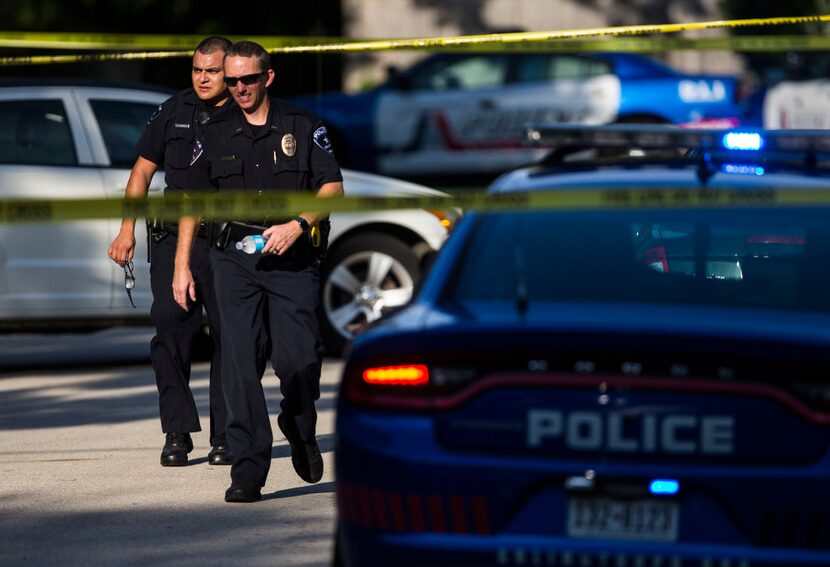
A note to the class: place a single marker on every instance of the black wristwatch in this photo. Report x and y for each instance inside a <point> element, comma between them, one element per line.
<point>302,222</point>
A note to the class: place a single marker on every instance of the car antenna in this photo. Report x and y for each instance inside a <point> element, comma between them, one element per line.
<point>521,281</point>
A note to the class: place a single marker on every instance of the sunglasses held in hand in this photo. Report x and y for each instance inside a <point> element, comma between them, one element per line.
<point>129,281</point>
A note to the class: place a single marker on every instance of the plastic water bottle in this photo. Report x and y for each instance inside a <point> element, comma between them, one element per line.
<point>251,244</point>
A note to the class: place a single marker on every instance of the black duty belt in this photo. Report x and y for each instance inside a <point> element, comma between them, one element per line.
<point>235,231</point>
<point>170,227</point>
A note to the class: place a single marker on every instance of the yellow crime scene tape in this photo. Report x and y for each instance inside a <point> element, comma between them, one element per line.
<point>748,43</point>
<point>245,205</point>
<point>505,41</point>
<point>59,40</point>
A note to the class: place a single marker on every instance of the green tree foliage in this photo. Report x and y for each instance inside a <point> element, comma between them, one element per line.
<point>771,67</point>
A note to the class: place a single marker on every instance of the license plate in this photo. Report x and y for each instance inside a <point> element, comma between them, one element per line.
<point>608,518</point>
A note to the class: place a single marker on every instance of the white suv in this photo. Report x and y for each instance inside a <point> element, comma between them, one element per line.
<point>76,139</point>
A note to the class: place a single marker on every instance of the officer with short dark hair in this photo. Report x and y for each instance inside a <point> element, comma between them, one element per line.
<point>168,139</point>
<point>268,301</point>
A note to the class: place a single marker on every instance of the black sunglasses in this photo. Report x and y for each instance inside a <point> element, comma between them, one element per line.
<point>246,79</point>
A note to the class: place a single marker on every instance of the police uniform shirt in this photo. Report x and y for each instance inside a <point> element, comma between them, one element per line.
<point>290,152</point>
<point>169,136</point>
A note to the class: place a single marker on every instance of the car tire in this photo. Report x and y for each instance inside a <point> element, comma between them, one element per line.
<point>363,278</point>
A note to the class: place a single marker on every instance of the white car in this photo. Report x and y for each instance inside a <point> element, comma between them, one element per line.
<point>799,105</point>
<point>76,139</point>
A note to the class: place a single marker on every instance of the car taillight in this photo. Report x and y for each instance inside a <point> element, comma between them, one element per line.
<point>655,258</point>
<point>403,386</point>
<point>408,375</point>
<point>414,386</point>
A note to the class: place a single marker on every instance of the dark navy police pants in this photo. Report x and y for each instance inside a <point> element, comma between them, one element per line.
<point>170,349</point>
<point>268,306</point>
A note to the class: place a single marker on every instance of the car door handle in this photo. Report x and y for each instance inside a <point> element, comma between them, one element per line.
<point>487,104</point>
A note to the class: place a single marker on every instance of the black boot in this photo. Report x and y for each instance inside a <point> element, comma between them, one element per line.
<point>220,455</point>
<point>243,491</point>
<point>306,458</point>
<point>176,448</point>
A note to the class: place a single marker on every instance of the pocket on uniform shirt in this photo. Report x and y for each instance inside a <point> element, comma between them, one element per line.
<point>226,169</point>
<point>290,174</point>
<point>178,151</point>
<point>289,165</point>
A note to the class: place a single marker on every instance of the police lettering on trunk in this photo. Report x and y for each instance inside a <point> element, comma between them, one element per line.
<point>666,433</point>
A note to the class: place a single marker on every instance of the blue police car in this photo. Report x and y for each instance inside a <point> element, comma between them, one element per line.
<point>464,113</point>
<point>637,376</point>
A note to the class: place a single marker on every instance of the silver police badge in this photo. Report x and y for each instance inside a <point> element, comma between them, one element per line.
<point>289,145</point>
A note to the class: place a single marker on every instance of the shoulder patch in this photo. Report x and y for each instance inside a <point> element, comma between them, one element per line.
<point>155,114</point>
<point>198,150</point>
<point>321,138</point>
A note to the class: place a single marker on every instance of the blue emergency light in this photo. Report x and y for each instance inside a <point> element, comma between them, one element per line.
<point>664,486</point>
<point>744,141</point>
<point>741,169</point>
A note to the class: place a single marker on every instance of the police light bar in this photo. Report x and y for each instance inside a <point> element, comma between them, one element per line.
<point>649,136</point>
<point>743,141</point>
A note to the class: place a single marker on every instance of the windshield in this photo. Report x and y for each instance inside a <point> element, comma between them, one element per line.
<point>740,258</point>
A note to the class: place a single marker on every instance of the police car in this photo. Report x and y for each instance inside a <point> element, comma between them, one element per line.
<point>637,376</point>
<point>76,139</point>
<point>463,114</point>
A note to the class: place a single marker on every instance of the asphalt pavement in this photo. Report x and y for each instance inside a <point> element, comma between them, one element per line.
<point>80,479</point>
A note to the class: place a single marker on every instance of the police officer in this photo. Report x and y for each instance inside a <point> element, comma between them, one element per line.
<point>267,301</point>
<point>168,139</point>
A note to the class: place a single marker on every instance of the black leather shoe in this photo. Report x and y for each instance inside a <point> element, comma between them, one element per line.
<point>176,448</point>
<point>243,492</point>
<point>306,457</point>
<point>220,455</point>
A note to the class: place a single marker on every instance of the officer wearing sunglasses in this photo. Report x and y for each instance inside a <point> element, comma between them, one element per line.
<point>168,140</point>
<point>268,301</point>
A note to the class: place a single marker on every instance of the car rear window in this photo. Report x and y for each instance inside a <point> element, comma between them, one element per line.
<point>740,258</point>
<point>122,124</point>
<point>35,132</point>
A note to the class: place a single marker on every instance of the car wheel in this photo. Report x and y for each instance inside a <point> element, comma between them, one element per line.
<point>364,278</point>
